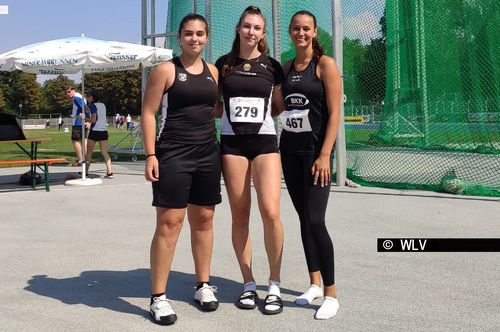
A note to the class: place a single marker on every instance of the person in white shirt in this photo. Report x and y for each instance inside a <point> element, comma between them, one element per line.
<point>98,132</point>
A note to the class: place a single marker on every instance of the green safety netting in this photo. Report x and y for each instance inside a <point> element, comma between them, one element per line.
<point>421,80</point>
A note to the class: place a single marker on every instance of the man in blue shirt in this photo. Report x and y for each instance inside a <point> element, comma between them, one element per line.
<point>78,115</point>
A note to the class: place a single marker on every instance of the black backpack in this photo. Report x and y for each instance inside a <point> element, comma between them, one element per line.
<point>26,180</point>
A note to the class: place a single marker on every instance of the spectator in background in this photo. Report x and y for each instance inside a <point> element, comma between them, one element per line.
<point>129,121</point>
<point>117,120</point>
<point>60,122</point>
<point>122,121</point>
<point>78,116</point>
<point>98,132</point>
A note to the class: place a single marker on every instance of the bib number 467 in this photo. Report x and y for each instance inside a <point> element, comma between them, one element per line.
<point>295,123</point>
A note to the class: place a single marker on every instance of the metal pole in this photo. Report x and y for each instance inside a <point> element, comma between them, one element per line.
<point>208,16</point>
<point>340,145</point>
<point>144,31</point>
<point>153,22</point>
<point>276,49</point>
<point>422,68</point>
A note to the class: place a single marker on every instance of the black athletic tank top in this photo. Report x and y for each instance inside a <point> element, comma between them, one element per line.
<point>247,90</point>
<point>304,121</point>
<point>188,107</point>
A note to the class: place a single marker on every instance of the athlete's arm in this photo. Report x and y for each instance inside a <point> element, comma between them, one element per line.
<point>278,104</point>
<point>159,81</point>
<point>329,74</point>
<point>218,104</point>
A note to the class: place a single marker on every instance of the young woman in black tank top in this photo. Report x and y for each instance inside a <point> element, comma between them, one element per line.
<point>183,163</point>
<point>312,90</point>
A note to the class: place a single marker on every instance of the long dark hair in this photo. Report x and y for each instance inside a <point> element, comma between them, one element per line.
<point>192,17</point>
<point>318,49</point>
<point>263,47</point>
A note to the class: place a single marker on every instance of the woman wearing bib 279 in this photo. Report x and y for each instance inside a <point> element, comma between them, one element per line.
<point>312,90</point>
<point>250,84</point>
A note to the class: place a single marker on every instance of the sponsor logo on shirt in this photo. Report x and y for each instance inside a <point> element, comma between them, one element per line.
<point>209,78</point>
<point>296,78</point>
<point>247,67</point>
<point>296,100</point>
<point>182,77</point>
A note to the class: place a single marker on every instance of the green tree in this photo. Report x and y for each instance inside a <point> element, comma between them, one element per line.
<point>3,103</point>
<point>119,91</point>
<point>27,92</point>
<point>7,80</point>
<point>372,75</point>
<point>54,91</point>
<point>354,57</point>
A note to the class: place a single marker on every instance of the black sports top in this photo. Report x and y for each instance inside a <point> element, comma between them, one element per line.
<point>304,121</point>
<point>188,107</point>
<point>247,89</point>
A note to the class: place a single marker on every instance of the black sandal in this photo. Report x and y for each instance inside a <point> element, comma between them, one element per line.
<point>273,300</point>
<point>249,295</point>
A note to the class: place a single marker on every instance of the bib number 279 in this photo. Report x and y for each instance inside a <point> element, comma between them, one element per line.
<point>246,109</point>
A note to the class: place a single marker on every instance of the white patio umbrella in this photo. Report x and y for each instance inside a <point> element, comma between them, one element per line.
<point>72,55</point>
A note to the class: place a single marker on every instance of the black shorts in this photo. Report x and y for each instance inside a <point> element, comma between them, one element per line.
<point>76,133</point>
<point>188,174</point>
<point>249,146</point>
<point>98,135</point>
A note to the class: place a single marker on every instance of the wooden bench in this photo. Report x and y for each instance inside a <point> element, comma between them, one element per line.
<point>45,162</point>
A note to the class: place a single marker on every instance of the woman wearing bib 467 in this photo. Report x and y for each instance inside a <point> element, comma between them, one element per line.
<point>250,84</point>
<point>312,89</point>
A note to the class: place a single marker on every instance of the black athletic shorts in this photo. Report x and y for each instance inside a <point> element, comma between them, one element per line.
<point>98,135</point>
<point>76,133</point>
<point>188,174</point>
<point>249,146</point>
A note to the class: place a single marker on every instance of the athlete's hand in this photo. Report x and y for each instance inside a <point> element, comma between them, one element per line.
<point>321,170</point>
<point>151,171</point>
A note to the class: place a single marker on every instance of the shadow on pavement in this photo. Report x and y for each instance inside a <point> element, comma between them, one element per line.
<point>106,289</point>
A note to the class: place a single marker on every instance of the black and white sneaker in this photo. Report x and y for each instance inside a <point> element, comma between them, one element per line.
<point>205,298</point>
<point>109,176</point>
<point>161,311</point>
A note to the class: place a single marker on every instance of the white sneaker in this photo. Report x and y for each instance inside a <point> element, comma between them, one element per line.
<point>161,311</point>
<point>205,298</point>
<point>314,292</point>
<point>328,309</point>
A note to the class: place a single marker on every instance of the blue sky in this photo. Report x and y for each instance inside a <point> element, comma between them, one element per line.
<point>32,21</point>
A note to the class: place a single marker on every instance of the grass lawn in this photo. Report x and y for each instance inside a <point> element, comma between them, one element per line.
<point>60,144</point>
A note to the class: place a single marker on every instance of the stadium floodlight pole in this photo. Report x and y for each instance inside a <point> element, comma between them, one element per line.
<point>340,147</point>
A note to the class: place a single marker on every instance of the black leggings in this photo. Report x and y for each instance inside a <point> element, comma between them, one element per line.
<point>310,203</point>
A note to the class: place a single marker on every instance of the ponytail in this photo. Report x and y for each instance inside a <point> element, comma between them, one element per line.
<point>232,56</point>
<point>318,49</point>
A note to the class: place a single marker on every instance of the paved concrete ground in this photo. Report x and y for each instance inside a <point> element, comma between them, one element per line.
<point>77,258</point>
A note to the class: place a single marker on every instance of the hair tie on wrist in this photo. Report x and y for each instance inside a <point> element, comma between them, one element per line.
<point>150,155</point>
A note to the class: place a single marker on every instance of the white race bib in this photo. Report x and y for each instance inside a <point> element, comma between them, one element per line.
<point>296,121</point>
<point>246,109</point>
